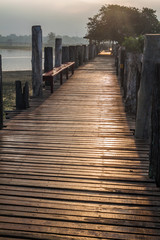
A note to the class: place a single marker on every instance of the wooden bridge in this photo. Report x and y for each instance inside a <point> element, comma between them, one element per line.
<point>70,167</point>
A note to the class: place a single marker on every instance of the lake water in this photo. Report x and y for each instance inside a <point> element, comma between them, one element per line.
<point>16,59</point>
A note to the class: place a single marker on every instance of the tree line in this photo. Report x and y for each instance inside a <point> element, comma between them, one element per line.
<point>48,40</point>
<point>115,23</point>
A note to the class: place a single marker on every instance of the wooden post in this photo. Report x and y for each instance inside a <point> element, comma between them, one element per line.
<point>154,169</point>
<point>26,95</point>
<point>87,53</point>
<point>1,95</point>
<point>65,54</point>
<point>77,57</point>
<point>58,52</point>
<point>97,49</point>
<point>72,52</point>
<point>61,78</point>
<point>37,61</point>
<point>116,64</point>
<point>122,62</point>
<point>48,59</point>
<point>80,55</point>
<point>90,51</point>
<point>19,96</point>
<point>158,124</point>
<point>48,62</point>
<point>84,53</point>
<point>150,58</point>
<point>93,51</point>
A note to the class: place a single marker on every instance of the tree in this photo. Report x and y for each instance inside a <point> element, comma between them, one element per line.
<point>115,23</point>
<point>134,45</point>
<point>149,22</point>
<point>51,39</point>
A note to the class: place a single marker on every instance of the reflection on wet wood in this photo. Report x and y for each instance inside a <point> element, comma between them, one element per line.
<point>70,167</point>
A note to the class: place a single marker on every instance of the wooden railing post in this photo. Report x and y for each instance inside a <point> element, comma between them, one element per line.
<point>84,53</point>
<point>1,95</point>
<point>19,96</point>
<point>48,62</point>
<point>87,53</point>
<point>82,57</point>
<point>151,56</point>
<point>48,59</point>
<point>121,65</point>
<point>90,51</point>
<point>77,56</point>
<point>22,97</point>
<point>154,169</point>
<point>65,54</point>
<point>94,51</point>
<point>37,61</point>
<point>80,54</point>
<point>97,49</point>
<point>26,95</point>
<point>72,53</point>
<point>58,52</point>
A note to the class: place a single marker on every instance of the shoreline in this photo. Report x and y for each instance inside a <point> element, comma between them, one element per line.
<point>16,47</point>
<point>15,71</point>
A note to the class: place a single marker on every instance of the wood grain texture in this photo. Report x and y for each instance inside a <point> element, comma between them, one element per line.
<point>70,167</point>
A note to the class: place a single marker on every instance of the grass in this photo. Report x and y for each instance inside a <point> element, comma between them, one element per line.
<point>9,94</point>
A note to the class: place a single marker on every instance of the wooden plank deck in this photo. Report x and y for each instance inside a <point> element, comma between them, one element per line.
<point>71,168</point>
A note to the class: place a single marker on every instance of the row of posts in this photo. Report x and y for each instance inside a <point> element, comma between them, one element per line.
<point>78,54</point>
<point>151,57</point>
<point>148,99</point>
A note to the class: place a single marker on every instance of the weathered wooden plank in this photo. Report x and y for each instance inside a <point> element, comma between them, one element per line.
<point>133,217</point>
<point>78,229</point>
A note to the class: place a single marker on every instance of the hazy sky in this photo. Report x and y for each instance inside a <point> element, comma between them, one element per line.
<point>65,17</point>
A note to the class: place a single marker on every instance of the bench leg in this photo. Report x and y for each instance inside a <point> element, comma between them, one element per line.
<point>51,83</point>
<point>49,79</point>
<point>61,78</point>
<point>72,69</point>
<point>67,73</point>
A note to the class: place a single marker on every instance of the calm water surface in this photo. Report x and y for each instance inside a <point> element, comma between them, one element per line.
<point>16,59</point>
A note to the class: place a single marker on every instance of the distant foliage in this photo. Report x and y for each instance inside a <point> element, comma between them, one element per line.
<point>115,23</point>
<point>49,40</point>
<point>13,39</point>
<point>135,45</point>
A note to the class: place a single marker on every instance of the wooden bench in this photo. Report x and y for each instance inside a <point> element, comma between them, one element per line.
<point>64,68</point>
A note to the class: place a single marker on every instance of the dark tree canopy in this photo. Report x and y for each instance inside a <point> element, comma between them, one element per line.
<point>114,22</point>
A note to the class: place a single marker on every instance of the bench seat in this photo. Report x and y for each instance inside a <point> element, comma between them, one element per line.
<point>49,76</point>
